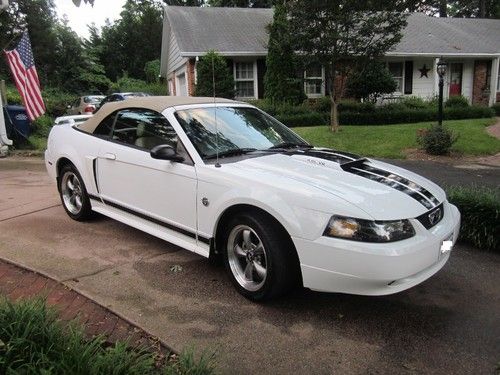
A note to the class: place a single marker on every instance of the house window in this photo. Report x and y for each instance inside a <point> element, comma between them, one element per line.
<point>397,72</point>
<point>313,80</point>
<point>244,78</point>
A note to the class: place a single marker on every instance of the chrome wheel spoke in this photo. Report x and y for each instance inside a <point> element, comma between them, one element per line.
<point>239,251</point>
<point>247,242</point>
<point>70,184</point>
<point>78,201</point>
<point>261,271</point>
<point>71,191</point>
<point>259,249</point>
<point>249,271</point>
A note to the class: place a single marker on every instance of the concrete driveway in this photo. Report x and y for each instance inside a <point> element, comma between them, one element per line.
<point>449,324</point>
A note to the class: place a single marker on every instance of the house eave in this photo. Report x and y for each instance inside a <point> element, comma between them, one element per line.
<point>444,54</point>
<point>226,53</point>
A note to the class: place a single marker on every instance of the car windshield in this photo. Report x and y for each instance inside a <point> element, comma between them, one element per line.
<point>93,99</point>
<point>238,128</point>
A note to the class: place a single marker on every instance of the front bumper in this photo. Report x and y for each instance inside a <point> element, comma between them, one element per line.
<point>337,265</point>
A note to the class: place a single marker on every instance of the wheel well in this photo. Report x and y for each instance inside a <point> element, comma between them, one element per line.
<point>217,245</point>
<point>61,163</point>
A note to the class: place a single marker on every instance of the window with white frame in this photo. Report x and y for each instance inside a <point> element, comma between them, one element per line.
<point>244,79</point>
<point>397,72</point>
<point>313,80</point>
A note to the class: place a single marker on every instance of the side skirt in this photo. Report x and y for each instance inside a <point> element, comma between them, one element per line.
<point>153,226</point>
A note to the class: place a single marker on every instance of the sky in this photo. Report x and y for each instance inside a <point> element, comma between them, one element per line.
<point>80,17</point>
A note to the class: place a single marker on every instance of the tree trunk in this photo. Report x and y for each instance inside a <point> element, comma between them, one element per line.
<point>443,11</point>
<point>482,9</point>
<point>334,115</point>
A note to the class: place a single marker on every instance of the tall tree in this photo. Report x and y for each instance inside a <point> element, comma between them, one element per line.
<point>281,83</point>
<point>242,3</point>
<point>214,76</point>
<point>336,33</point>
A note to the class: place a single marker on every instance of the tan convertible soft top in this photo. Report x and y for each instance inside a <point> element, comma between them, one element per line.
<point>155,103</point>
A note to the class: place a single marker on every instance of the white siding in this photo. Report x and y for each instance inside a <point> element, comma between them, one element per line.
<point>423,86</point>
<point>175,60</point>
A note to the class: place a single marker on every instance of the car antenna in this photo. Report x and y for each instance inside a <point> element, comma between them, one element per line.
<point>217,165</point>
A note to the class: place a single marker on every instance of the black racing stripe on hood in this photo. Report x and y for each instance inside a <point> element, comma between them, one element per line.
<point>394,181</point>
<point>412,185</point>
<point>423,201</point>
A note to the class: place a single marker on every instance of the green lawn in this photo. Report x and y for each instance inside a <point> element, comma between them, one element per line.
<point>388,141</point>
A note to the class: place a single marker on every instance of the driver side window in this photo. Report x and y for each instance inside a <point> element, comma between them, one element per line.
<point>144,129</point>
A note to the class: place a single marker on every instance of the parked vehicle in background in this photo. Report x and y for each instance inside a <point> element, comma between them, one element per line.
<point>73,119</point>
<point>84,104</point>
<point>119,96</point>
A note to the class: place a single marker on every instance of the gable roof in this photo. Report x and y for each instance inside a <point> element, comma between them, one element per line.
<point>449,36</point>
<point>243,31</point>
<point>233,31</point>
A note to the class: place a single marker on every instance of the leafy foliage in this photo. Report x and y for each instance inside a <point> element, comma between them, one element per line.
<point>152,71</point>
<point>480,210</point>
<point>211,68</point>
<point>437,140</point>
<point>34,341</point>
<point>281,83</point>
<point>457,101</point>
<point>370,81</point>
<point>127,84</point>
<point>336,33</point>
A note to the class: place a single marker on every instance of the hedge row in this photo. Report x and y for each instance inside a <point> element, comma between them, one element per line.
<point>382,116</point>
<point>480,210</point>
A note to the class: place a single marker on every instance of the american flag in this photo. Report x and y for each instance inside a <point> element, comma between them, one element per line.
<point>23,69</point>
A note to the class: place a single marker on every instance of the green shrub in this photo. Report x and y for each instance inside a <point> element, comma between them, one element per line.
<point>473,111</point>
<point>437,140</point>
<point>303,119</point>
<point>213,65</point>
<point>480,210</point>
<point>354,106</point>
<point>456,101</point>
<point>56,101</point>
<point>127,84</point>
<point>41,126</point>
<point>496,108</point>
<point>322,104</point>
<point>415,102</point>
<point>13,96</point>
<point>152,71</point>
<point>34,341</point>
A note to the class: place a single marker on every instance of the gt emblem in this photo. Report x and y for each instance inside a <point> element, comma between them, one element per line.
<point>435,216</point>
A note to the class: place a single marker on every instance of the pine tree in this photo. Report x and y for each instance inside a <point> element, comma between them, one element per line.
<point>281,83</point>
<point>213,67</point>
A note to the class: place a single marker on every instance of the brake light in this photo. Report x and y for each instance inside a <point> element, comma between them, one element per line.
<point>89,108</point>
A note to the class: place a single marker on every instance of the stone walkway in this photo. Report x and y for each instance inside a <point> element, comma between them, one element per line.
<point>494,129</point>
<point>19,283</point>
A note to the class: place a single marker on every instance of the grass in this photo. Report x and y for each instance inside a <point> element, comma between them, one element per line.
<point>480,209</point>
<point>33,341</point>
<point>389,141</point>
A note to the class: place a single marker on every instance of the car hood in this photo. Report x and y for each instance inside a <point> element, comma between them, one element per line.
<point>383,191</point>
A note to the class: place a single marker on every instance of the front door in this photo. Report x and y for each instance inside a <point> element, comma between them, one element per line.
<point>456,79</point>
<point>129,179</point>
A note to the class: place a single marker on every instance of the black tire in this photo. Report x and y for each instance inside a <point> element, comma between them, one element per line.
<point>69,176</point>
<point>279,260</point>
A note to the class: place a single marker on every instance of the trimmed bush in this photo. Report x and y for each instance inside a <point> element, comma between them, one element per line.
<point>415,102</point>
<point>303,119</point>
<point>496,108</point>
<point>437,140</point>
<point>480,209</point>
<point>456,101</point>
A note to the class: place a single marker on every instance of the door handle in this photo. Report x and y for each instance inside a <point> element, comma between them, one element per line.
<point>109,156</point>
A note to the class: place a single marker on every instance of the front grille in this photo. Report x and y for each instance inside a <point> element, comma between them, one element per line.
<point>432,217</point>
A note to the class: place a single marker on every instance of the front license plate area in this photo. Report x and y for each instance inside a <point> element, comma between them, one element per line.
<point>446,246</point>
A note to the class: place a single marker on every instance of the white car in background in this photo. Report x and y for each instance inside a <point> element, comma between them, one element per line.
<point>85,105</point>
<point>226,179</point>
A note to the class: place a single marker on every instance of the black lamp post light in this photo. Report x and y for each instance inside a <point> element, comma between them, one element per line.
<point>441,71</point>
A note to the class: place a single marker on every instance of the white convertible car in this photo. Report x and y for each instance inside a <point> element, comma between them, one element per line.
<point>222,178</point>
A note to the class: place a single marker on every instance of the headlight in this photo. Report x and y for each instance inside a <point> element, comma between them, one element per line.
<point>368,231</point>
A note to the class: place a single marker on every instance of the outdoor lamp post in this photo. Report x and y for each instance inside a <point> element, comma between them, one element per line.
<point>441,71</point>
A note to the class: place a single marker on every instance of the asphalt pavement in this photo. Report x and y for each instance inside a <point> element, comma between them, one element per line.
<point>448,324</point>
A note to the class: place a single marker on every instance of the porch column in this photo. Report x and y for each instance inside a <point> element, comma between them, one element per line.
<point>436,76</point>
<point>494,79</point>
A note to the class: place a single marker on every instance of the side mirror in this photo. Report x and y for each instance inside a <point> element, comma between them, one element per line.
<point>165,152</point>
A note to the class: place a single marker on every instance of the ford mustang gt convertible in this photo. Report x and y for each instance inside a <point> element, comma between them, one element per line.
<point>225,180</point>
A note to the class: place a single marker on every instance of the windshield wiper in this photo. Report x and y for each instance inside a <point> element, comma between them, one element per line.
<point>287,145</point>
<point>233,152</point>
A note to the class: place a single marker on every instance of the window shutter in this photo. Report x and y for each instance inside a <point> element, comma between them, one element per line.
<point>408,77</point>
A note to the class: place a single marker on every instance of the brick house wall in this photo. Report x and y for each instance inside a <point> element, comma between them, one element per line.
<point>480,82</point>
<point>190,74</point>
